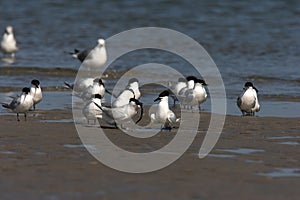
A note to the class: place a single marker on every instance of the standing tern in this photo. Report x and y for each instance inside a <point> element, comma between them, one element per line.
<point>131,91</point>
<point>197,95</point>
<point>163,114</point>
<point>21,104</point>
<point>90,110</point>
<point>248,101</point>
<point>36,92</point>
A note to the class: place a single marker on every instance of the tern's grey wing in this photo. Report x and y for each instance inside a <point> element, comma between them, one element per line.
<point>15,102</point>
<point>119,113</point>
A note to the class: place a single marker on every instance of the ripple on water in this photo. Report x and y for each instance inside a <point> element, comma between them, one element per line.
<point>290,143</point>
<point>221,156</point>
<point>282,172</point>
<point>243,150</point>
<point>88,146</point>
<point>8,152</point>
<point>57,120</point>
<point>283,137</point>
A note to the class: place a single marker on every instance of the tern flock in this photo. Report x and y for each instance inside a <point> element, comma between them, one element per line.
<point>189,91</point>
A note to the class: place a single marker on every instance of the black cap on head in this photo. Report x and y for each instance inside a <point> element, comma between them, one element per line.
<point>97,96</point>
<point>189,78</point>
<point>201,81</point>
<point>26,90</point>
<point>35,82</point>
<point>248,84</point>
<point>137,102</point>
<point>132,80</point>
<point>162,94</point>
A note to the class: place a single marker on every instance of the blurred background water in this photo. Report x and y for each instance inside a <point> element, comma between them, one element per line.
<point>254,41</point>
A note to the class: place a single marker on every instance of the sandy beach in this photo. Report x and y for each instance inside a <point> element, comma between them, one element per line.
<point>255,158</point>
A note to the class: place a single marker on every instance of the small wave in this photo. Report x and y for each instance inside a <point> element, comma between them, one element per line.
<point>270,79</point>
<point>21,71</point>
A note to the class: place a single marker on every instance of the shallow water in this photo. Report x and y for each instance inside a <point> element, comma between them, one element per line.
<point>282,172</point>
<point>243,150</point>
<point>249,41</point>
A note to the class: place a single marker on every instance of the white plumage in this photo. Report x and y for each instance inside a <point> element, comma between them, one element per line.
<point>20,104</point>
<point>162,114</point>
<point>97,56</point>
<point>131,91</point>
<point>113,116</point>
<point>9,43</point>
<point>91,111</point>
<point>36,92</point>
<point>248,100</point>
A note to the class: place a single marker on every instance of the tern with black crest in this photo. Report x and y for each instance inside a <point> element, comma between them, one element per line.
<point>36,92</point>
<point>163,114</point>
<point>114,116</point>
<point>131,91</point>
<point>21,103</point>
<point>248,100</point>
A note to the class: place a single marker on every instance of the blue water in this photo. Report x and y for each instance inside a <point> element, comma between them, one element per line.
<point>256,41</point>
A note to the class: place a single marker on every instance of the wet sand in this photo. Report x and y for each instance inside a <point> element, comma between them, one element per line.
<point>43,159</point>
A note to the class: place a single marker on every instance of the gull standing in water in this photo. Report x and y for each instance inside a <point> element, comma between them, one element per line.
<point>113,116</point>
<point>162,113</point>
<point>36,92</point>
<point>96,57</point>
<point>248,101</point>
<point>9,43</point>
<point>90,110</point>
<point>20,104</point>
<point>131,91</point>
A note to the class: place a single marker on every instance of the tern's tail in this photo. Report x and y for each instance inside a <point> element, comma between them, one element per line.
<point>75,53</point>
<point>5,105</point>
<point>70,86</point>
